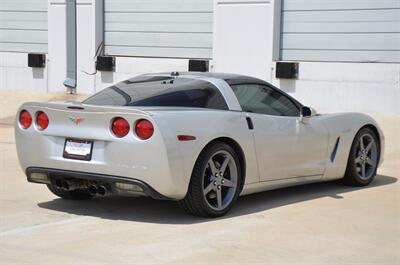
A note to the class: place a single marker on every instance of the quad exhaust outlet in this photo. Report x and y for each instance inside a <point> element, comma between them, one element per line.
<point>70,185</point>
<point>101,190</point>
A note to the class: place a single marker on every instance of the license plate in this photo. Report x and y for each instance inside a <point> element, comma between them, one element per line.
<point>78,149</point>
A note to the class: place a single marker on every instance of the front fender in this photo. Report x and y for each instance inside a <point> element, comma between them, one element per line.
<point>344,126</point>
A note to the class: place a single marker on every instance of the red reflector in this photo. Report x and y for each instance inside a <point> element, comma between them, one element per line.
<point>42,121</point>
<point>120,127</point>
<point>144,129</point>
<point>25,119</point>
<point>186,137</point>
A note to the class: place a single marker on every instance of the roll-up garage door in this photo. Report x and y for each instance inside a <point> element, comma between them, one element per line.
<point>158,28</point>
<point>341,30</point>
<point>23,26</point>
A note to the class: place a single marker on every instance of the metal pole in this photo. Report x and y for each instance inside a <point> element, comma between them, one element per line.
<point>70,81</point>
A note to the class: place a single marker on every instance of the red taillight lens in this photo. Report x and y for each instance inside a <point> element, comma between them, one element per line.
<point>42,121</point>
<point>25,119</point>
<point>120,127</point>
<point>144,129</point>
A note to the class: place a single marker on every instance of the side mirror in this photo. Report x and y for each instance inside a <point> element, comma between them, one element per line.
<point>306,114</point>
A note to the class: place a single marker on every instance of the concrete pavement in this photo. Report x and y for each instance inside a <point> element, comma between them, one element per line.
<point>315,224</point>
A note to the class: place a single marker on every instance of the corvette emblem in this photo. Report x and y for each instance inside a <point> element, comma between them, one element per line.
<point>76,120</point>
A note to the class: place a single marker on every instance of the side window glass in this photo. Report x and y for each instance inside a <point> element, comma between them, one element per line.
<point>264,100</point>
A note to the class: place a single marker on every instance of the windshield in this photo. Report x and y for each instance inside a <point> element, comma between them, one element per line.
<point>160,91</point>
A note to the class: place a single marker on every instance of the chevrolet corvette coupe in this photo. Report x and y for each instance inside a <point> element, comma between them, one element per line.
<point>201,139</point>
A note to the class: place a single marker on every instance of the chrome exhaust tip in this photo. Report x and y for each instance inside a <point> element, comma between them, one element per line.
<point>92,189</point>
<point>102,190</point>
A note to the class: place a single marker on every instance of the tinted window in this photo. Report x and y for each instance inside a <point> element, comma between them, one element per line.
<point>161,91</point>
<point>265,100</point>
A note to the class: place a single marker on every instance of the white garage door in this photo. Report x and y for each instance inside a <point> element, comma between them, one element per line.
<point>23,26</point>
<point>341,30</point>
<point>159,28</point>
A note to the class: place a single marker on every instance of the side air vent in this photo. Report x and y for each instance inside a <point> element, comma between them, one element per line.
<point>333,155</point>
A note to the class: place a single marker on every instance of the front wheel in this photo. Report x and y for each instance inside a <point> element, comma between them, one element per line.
<point>363,159</point>
<point>215,182</point>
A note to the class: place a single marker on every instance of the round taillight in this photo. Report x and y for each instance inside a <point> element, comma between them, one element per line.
<point>42,121</point>
<point>144,129</point>
<point>120,127</point>
<point>25,119</point>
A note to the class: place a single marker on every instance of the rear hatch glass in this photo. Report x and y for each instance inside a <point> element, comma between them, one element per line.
<point>161,91</point>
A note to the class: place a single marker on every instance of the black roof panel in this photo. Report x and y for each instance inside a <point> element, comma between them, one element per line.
<point>229,78</point>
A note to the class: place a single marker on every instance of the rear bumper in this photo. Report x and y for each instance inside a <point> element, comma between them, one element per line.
<point>98,178</point>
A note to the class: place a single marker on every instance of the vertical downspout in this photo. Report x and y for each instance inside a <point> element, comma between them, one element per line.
<point>276,35</point>
<point>277,30</point>
<point>70,81</point>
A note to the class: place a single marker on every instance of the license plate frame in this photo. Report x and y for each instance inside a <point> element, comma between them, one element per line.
<point>83,149</point>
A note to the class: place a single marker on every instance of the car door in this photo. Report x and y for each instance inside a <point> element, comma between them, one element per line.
<point>285,146</point>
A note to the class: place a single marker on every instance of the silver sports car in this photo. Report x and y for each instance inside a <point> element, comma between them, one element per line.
<point>201,139</point>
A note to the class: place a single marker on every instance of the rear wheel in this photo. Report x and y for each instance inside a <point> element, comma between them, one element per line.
<point>363,159</point>
<point>215,182</point>
<point>70,195</point>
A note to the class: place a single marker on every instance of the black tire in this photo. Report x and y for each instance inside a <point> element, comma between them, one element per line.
<point>352,176</point>
<point>195,202</point>
<point>70,195</point>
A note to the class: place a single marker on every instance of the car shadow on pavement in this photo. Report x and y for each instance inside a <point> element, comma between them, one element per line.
<point>153,211</point>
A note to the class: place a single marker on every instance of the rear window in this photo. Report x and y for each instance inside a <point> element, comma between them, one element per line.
<point>160,91</point>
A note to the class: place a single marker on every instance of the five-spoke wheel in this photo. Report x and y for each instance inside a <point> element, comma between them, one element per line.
<point>363,158</point>
<point>215,183</point>
<point>220,180</point>
<point>367,155</point>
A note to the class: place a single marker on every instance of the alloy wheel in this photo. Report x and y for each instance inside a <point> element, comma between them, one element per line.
<point>366,157</point>
<point>220,180</point>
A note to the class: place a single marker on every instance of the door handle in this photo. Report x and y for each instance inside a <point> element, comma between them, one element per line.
<point>249,123</point>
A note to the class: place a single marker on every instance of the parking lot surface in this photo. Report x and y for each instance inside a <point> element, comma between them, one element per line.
<point>324,223</point>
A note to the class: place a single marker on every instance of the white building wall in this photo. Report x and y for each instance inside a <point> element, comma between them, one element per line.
<point>23,30</point>
<point>57,45</point>
<point>363,33</point>
<point>243,37</point>
<point>17,76</point>
<point>246,41</point>
<point>245,44</point>
<point>339,87</point>
<point>23,26</point>
<point>89,41</point>
<point>337,30</point>
<point>153,28</point>
<point>127,67</point>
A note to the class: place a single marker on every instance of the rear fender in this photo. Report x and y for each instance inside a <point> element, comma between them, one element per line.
<point>206,126</point>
